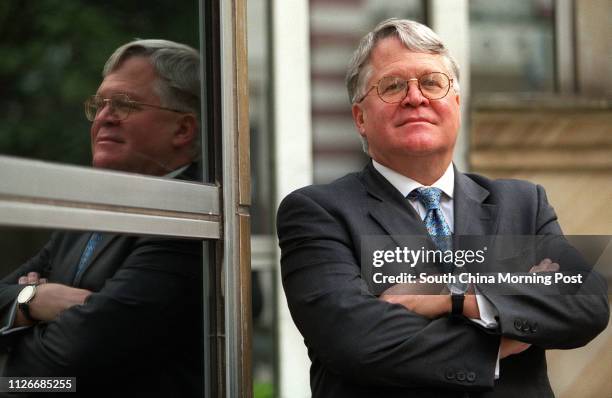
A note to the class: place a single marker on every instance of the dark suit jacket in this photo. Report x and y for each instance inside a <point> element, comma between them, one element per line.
<point>361,346</point>
<point>141,329</point>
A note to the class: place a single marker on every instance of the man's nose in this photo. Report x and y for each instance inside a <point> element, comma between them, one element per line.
<point>106,113</point>
<point>414,97</point>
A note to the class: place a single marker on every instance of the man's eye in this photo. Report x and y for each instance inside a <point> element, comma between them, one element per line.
<point>96,101</point>
<point>430,83</point>
<point>393,87</point>
<point>122,104</point>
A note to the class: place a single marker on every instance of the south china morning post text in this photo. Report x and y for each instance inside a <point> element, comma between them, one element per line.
<point>477,264</point>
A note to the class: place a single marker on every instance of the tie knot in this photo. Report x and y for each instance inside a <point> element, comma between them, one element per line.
<point>428,196</point>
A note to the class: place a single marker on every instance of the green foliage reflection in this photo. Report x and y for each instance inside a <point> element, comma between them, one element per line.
<point>51,58</point>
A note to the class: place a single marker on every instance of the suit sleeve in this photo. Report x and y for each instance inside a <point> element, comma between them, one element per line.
<point>9,289</point>
<point>148,299</point>
<point>358,336</point>
<point>558,316</point>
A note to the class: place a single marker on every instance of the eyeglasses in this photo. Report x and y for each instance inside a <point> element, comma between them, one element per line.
<point>120,104</point>
<point>391,89</point>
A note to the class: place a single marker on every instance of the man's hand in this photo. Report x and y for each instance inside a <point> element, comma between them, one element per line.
<point>545,265</point>
<point>32,278</point>
<point>428,305</point>
<point>53,298</point>
<point>50,299</point>
<point>509,347</point>
<point>429,300</point>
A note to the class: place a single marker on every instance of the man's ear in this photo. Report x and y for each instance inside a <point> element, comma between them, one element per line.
<point>187,128</point>
<point>359,119</point>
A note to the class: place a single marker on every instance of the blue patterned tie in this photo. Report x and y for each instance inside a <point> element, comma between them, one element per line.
<point>89,249</point>
<point>436,225</point>
<point>434,220</point>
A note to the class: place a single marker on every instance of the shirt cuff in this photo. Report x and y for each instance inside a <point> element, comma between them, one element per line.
<point>487,320</point>
<point>8,321</point>
<point>497,363</point>
<point>487,312</point>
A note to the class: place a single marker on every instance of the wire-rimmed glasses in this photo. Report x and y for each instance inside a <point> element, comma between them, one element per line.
<point>120,104</point>
<point>393,89</point>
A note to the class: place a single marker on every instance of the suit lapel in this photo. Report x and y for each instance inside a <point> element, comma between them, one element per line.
<point>101,246</point>
<point>389,208</point>
<point>69,261</point>
<point>472,215</point>
<point>393,212</point>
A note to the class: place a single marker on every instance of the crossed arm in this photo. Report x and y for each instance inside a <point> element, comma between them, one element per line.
<point>135,309</point>
<point>423,301</point>
<point>50,300</point>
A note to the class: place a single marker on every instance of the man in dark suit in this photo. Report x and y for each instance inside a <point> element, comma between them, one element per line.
<point>405,341</point>
<point>120,313</point>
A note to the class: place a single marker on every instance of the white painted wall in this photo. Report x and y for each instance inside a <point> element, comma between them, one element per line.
<point>293,162</point>
<point>450,20</point>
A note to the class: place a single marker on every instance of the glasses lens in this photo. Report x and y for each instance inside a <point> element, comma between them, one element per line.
<point>434,85</point>
<point>121,105</point>
<point>392,89</point>
<point>92,104</point>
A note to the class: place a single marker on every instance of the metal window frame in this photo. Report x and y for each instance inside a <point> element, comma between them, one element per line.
<point>35,193</point>
<point>235,166</point>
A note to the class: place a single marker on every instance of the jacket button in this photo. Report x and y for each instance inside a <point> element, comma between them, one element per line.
<point>526,327</point>
<point>518,324</point>
<point>471,376</point>
<point>460,375</point>
<point>450,375</point>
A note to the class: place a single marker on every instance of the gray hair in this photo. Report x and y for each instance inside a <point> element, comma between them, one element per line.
<point>177,65</point>
<point>415,36</point>
<point>178,69</point>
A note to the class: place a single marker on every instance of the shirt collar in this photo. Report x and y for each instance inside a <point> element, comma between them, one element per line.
<point>176,172</point>
<point>405,185</point>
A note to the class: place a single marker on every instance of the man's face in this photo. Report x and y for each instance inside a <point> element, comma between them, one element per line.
<point>415,127</point>
<point>143,142</point>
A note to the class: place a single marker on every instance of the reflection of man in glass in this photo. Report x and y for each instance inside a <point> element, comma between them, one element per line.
<point>120,313</point>
<point>144,113</point>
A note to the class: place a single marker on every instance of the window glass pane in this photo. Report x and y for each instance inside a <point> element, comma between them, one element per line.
<point>335,29</point>
<point>129,319</point>
<point>260,122</point>
<point>512,46</point>
<point>262,210</point>
<point>264,327</point>
<point>51,58</point>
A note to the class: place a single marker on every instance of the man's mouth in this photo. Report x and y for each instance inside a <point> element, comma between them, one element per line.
<point>108,138</point>
<point>410,120</point>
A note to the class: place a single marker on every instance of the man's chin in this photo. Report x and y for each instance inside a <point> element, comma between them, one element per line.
<point>422,146</point>
<point>108,163</point>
